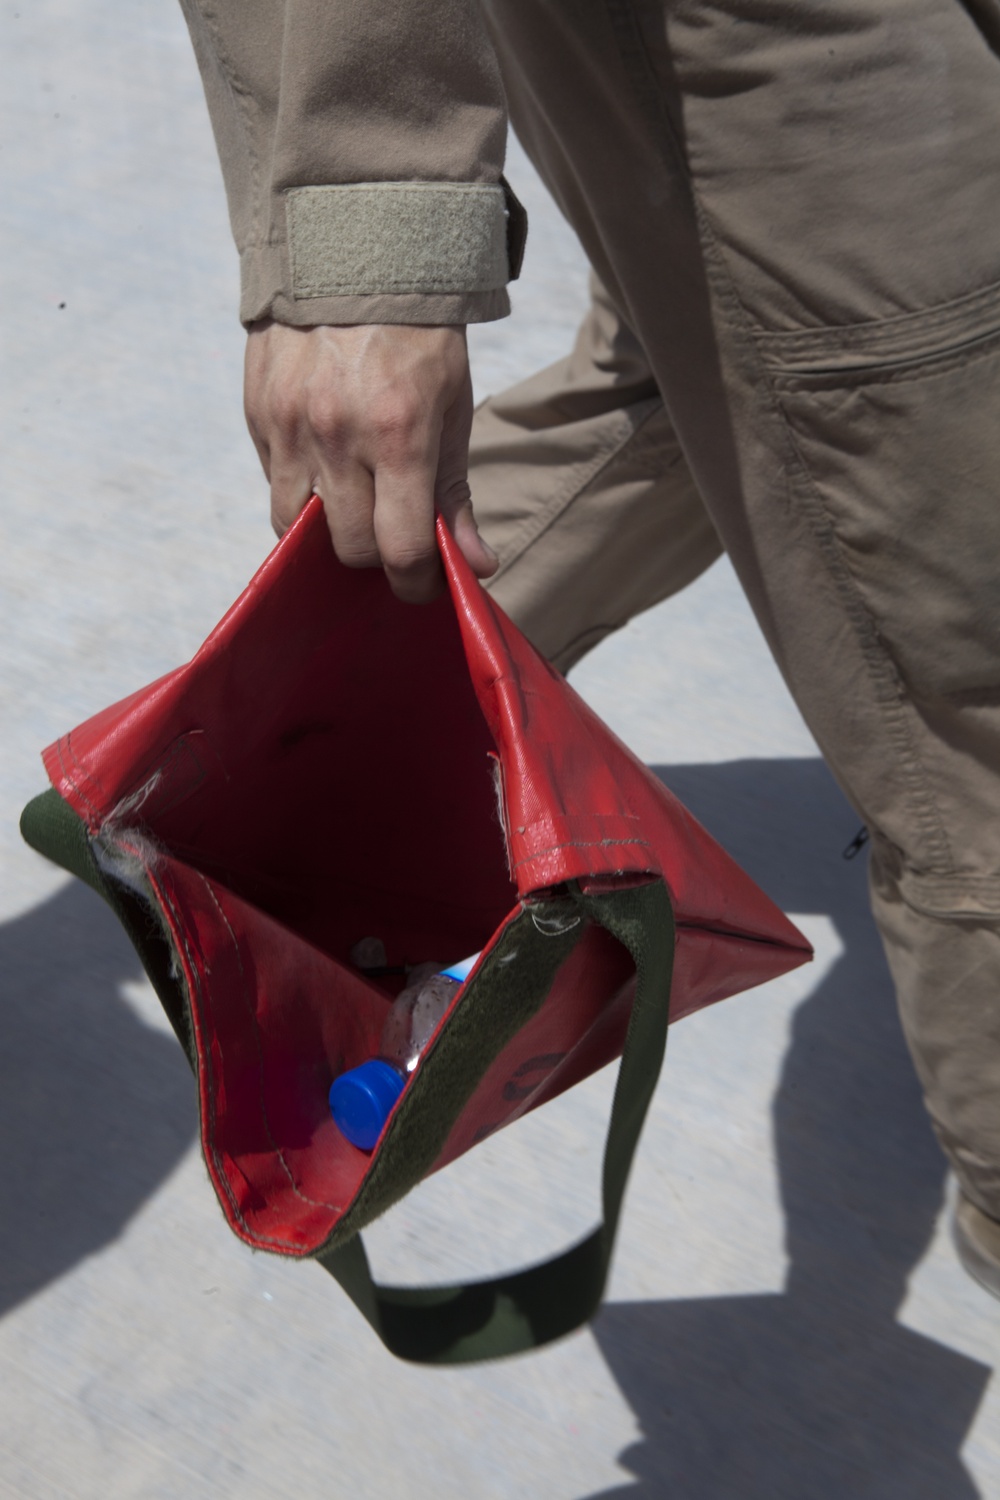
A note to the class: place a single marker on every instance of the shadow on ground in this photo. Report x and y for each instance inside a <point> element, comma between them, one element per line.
<point>814,1394</point>
<point>818,1393</point>
<point>96,1108</point>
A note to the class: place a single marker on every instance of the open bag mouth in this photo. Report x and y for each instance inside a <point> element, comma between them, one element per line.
<point>326,769</point>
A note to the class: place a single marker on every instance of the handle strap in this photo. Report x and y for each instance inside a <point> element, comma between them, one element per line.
<point>477,1320</point>
<point>509,1314</point>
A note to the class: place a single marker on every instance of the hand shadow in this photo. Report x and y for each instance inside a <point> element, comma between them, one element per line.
<point>817,1393</point>
<point>96,1108</point>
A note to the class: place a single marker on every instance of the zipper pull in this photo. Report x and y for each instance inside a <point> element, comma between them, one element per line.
<point>857,843</point>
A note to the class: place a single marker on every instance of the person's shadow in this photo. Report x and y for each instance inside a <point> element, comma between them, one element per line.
<point>817,1393</point>
<point>96,1108</point>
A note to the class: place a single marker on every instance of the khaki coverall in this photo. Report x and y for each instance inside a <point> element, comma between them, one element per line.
<point>793,213</point>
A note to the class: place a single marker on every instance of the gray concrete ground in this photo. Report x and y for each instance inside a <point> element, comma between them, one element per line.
<point>786,1317</point>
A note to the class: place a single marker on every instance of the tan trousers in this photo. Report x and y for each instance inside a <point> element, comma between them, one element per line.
<point>795,210</point>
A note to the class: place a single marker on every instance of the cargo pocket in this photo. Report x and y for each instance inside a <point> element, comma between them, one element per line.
<point>897,424</point>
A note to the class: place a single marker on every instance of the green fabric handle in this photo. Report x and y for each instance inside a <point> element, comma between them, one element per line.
<point>479,1320</point>
<point>49,825</point>
<point>510,1314</point>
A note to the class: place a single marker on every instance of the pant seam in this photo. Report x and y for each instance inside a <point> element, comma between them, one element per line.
<point>914,336</point>
<point>889,688</point>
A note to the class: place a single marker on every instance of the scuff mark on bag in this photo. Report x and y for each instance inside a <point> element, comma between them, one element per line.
<point>122,812</point>
<point>128,856</point>
<point>500,793</point>
<point>552,923</point>
<point>129,864</point>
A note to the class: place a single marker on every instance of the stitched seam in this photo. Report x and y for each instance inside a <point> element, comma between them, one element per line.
<point>580,478</point>
<point>468,299</point>
<point>356,289</point>
<point>855,378</point>
<point>941,905</point>
<point>882,669</point>
<point>245,103</point>
<point>81,776</point>
<point>202,1052</point>
<point>885,678</point>
<point>88,776</point>
<point>987,885</point>
<point>68,775</point>
<point>204,1056</point>
<point>313,1202</point>
<point>877,333</point>
<point>634,54</point>
<point>616,818</point>
<point>353,189</point>
<point>583,844</point>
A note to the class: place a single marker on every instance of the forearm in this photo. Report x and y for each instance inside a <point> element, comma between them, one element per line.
<point>362,147</point>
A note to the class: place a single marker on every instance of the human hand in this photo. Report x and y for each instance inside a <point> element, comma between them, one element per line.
<point>375,419</point>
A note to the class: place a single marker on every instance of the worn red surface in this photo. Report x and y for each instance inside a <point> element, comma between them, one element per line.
<point>326,769</point>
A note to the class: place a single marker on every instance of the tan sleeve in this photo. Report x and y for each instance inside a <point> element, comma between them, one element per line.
<point>362,146</point>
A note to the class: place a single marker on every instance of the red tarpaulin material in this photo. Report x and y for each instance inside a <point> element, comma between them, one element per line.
<point>333,765</point>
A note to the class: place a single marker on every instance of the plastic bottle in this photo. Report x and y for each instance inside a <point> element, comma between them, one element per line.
<point>362,1099</point>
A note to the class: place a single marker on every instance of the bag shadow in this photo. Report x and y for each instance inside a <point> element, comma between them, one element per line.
<point>96,1107</point>
<point>817,1391</point>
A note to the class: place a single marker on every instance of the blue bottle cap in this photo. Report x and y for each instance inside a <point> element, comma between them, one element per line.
<point>461,971</point>
<point>361,1100</point>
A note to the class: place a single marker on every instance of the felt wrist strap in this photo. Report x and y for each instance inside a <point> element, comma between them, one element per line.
<point>362,238</point>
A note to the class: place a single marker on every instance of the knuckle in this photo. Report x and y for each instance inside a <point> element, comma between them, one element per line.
<point>285,410</point>
<point>409,559</point>
<point>454,493</point>
<point>353,541</point>
<point>325,416</point>
<point>396,423</point>
<point>358,556</point>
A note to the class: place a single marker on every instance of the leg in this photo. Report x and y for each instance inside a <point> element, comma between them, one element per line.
<point>798,211</point>
<point>580,486</point>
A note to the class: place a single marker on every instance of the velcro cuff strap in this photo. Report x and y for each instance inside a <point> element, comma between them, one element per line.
<point>364,238</point>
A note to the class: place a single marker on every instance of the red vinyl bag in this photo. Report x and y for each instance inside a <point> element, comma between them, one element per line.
<point>334,764</point>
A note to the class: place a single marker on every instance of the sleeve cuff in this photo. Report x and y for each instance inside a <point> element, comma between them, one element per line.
<point>409,252</point>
